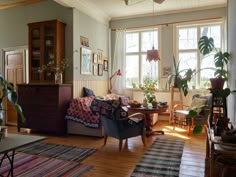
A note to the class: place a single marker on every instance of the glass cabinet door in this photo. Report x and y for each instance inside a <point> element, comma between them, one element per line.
<point>35,34</point>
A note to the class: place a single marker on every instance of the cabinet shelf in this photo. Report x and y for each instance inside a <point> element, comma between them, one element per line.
<point>46,42</point>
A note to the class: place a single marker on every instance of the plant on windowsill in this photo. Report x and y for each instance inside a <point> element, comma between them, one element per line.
<point>206,46</point>
<point>7,91</point>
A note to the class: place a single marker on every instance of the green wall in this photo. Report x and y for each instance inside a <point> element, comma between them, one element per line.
<point>98,35</point>
<point>14,32</point>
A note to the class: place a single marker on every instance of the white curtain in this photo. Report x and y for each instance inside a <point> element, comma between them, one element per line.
<point>118,82</point>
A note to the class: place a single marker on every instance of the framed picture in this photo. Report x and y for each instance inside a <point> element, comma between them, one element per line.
<point>84,41</point>
<point>105,64</point>
<point>86,61</point>
<point>100,69</point>
<point>100,59</point>
<point>95,58</point>
<point>95,69</point>
<point>166,71</point>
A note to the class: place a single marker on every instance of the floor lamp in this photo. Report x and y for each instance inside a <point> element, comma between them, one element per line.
<point>117,73</point>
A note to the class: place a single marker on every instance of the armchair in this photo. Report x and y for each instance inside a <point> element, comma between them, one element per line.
<point>116,122</point>
<point>181,111</point>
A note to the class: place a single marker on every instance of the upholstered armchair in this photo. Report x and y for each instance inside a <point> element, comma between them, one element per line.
<point>181,111</point>
<point>116,122</point>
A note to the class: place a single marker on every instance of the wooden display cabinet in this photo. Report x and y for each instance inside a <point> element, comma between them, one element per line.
<point>46,43</point>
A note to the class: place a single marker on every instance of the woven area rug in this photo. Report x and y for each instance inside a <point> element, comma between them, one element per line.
<point>59,151</point>
<point>162,159</point>
<point>26,165</point>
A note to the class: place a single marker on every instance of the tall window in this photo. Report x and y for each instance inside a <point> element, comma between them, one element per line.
<point>189,55</point>
<point>137,44</point>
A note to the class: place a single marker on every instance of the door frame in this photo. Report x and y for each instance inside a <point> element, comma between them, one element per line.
<point>24,49</point>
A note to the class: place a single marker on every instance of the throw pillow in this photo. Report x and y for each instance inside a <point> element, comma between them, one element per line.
<point>197,103</point>
<point>87,92</point>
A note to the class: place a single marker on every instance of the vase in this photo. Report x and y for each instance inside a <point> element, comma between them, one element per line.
<point>58,77</point>
<point>145,103</point>
<point>154,104</point>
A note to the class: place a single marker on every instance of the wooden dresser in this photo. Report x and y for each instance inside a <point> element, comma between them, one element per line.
<point>44,106</point>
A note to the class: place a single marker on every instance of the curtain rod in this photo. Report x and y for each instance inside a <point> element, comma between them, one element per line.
<point>166,24</point>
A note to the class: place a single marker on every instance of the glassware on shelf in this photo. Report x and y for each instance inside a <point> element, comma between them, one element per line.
<point>58,76</point>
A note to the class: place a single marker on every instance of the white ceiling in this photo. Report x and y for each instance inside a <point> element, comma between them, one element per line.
<point>105,10</point>
<point>117,9</point>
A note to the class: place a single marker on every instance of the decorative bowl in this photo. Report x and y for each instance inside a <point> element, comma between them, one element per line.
<point>135,105</point>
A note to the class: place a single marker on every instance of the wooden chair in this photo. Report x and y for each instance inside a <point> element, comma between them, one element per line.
<point>180,113</point>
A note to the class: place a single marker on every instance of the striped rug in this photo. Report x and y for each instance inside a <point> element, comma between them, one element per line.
<point>162,159</point>
<point>26,165</point>
<point>59,151</point>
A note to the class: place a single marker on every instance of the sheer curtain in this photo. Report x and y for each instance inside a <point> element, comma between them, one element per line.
<point>118,82</point>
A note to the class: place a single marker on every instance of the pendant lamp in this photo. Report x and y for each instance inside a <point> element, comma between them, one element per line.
<point>153,54</point>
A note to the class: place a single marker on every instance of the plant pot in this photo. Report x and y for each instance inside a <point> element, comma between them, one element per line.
<point>217,83</point>
<point>154,104</point>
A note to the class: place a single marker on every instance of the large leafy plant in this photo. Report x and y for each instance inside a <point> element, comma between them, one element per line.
<point>7,91</point>
<point>206,46</point>
<point>180,77</point>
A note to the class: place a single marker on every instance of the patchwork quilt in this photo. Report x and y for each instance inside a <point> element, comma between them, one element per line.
<point>79,111</point>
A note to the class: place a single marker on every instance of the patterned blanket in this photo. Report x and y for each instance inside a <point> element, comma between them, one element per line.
<point>80,111</point>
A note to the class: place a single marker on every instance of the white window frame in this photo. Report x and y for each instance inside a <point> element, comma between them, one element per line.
<point>198,25</point>
<point>140,53</point>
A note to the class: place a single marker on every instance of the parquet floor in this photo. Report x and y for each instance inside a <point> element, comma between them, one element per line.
<point>109,162</point>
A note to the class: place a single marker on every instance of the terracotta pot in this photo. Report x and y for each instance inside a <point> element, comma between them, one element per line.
<point>217,83</point>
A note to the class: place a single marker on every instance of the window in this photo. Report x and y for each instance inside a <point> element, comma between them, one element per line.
<point>137,44</point>
<point>189,55</point>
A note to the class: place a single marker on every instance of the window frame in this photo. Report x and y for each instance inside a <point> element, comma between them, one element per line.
<point>198,25</point>
<point>140,53</point>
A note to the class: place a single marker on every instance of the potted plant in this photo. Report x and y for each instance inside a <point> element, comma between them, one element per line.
<point>206,46</point>
<point>180,78</point>
<point>7,91</point>
<point>149,87</point>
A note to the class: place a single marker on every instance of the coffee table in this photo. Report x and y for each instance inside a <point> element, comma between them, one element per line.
<point>9,144</point>
<point>147,111</point>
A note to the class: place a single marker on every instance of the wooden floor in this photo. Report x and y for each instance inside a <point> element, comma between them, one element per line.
<point>109,162</point>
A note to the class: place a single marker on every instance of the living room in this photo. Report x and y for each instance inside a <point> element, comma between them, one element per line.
<point>99,32</point>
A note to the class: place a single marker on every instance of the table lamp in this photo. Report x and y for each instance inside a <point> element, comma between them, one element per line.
<point>117,73</point>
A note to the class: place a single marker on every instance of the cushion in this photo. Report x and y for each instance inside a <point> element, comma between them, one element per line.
<point>197,103</point>
<point>87,92</point>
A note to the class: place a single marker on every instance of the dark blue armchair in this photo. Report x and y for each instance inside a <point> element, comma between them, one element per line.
<point>117,123</point>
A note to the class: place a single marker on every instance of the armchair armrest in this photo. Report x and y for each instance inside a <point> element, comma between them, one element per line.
<point>137,115</point>
<point>176,106</point>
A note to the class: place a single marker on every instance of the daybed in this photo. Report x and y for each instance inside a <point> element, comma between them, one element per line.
<point>81,120</point>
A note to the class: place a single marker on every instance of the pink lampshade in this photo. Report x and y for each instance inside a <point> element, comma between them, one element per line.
<point>118,73</point>
<point>153,55</point>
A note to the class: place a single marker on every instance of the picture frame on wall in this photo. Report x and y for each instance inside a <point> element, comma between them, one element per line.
<point>95,58</point>
<point>86,61</point>
<point>166,71</point>
<point>105,64</point>
<point>84,41</point>
<point>100,69</point>
<point>100,58</point>
<point>95,69</point>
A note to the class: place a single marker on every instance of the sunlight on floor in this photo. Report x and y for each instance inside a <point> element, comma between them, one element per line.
<point>169,131</point>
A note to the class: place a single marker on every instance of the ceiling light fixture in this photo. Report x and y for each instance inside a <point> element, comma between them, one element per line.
<point>153,54</point>
<point>132,2</point>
